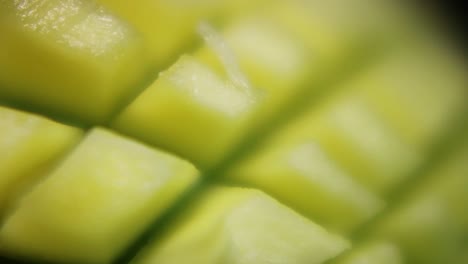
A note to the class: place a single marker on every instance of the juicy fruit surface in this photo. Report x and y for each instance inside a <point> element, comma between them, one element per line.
<point>59,54</point>
<point>230,132</point>
<point>30,144</point>
<point>107,183</point>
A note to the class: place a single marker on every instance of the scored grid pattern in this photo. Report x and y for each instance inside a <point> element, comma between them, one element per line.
<point>258,136</point>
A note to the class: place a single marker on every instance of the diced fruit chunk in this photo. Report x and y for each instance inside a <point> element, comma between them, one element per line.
<point>375,252</point>
<point>69,57</point>
<point>242,226</point>
<point>287,43</point>
<point>189,110</point>
<point>295,168</point>
<point>419,92</point>
<point>431,226</point>
<point>97,201</point>
<point>170,26</point>
<point>30,146</point>
<point>274,56</point>
<point>335,25</point>
<point>363,142</point>
<point>270,56</point>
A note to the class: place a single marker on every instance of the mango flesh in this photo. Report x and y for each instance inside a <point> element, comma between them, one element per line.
<point>432,226</point>
<point>235,225</point>
<point>169,27</point>
<point>272,57</point>
<point>375,252</point>
<point>30,145</point>
<point>300,173</point>
<point>100,197</point>
<point>327,129</point>
<point>418,99</point>
<point>56,55</point>
<point>370,151</point>
<point>218,110</point>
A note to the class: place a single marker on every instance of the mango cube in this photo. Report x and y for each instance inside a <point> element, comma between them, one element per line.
<point>431,226</point>
<point>189,110</point>
<point>69,57</point>
<point>96,202</point>
<point>419,91</point>
<point>170,27</point>
<point>297,170</point>
<point>271,57</point>
<point>374,252</point>
<point>242,226</point>
<point>30,145</point>
<point>364,143</point>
